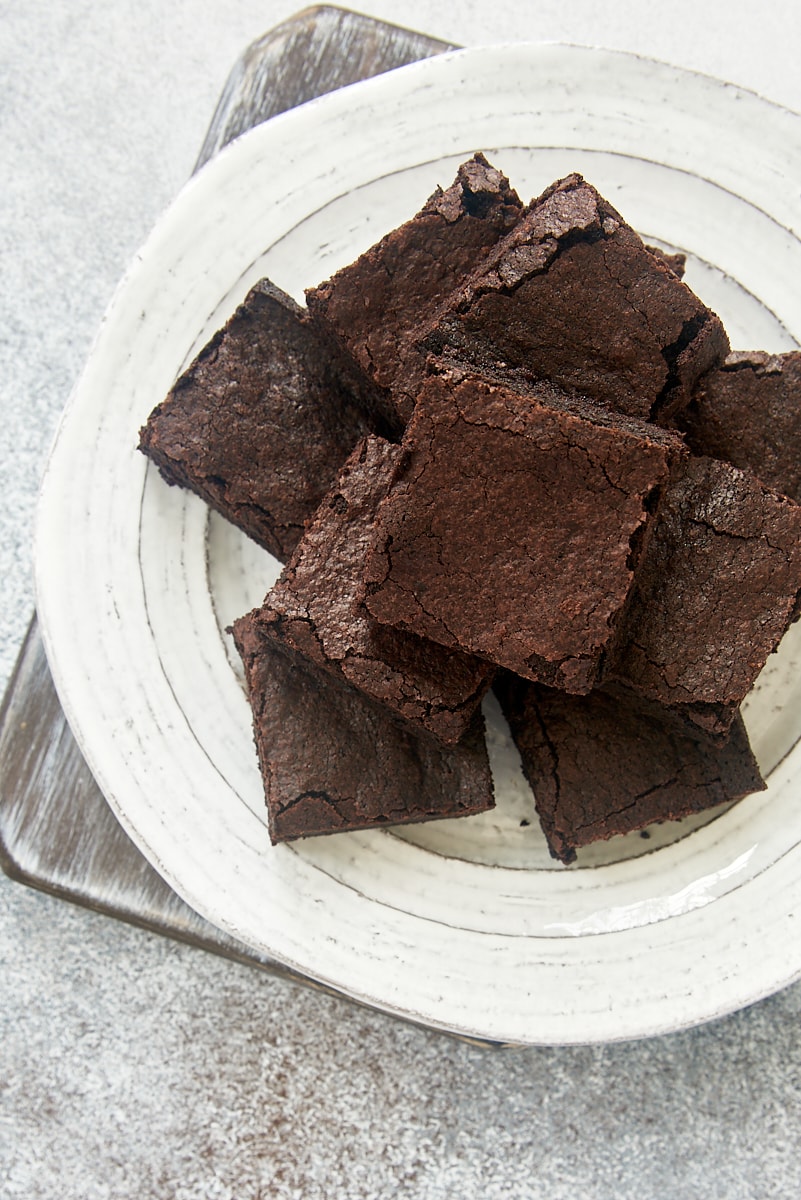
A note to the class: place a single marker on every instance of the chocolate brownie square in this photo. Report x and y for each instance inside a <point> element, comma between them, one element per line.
<point>261,422</point>
<point>601,766</point>
<point>316,609</point>
<point>373,304</point>
<point>573,295</point>
<point>333,760</point>
<point>514,523</point>
<point>748,412</point>
<point>716,588</point>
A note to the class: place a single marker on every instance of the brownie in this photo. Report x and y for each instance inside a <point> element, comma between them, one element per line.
<point>373,304</point>
<point>261,422</point>
<point>707,719</point>
<point>333,760</point>
<point>315,608</point>
<point>514,523</point>
<point>600,767</point>
<point>573,295</point>
<point>716,587</point>
<point>676,260</point>
<point>748,412</point>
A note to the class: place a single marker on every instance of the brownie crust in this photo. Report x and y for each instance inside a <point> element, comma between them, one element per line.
<point>676,260</point>
<point>601,766</point>
<point>332,760</point>
<point>748,413</point>
<point>316,609</point>
<point>573,295</point>
<point>260,423</point>
<point>373,305</point>
<point>514,524</point>
<point>716,589</point>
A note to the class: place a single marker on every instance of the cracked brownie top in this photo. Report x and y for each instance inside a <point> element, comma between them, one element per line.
<point>747,413</point>
<point>373,305</point>
<point>334,760</point>
<point>717,586</point>
<point>316,608</point>
<point>602,765</point>
<point>261,421</point>
<point>514,524</point>
<point>573,295</point>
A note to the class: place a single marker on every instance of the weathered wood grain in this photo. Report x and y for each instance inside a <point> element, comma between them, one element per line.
<point>56,831</point>
<point>317,51</point>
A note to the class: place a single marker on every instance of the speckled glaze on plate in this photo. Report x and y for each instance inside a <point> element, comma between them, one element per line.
<point>462,925</point>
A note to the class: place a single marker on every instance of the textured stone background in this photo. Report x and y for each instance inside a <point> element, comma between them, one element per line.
<point>134,1067</point>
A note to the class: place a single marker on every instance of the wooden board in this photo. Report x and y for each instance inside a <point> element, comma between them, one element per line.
<point>56,831</point>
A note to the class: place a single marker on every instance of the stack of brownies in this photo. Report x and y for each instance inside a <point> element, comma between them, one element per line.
<point>506,447</point>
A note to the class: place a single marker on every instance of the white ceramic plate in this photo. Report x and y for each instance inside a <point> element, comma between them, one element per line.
<point>462,925</point>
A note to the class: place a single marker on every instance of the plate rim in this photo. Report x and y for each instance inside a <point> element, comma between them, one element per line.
<point>44,582</point>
